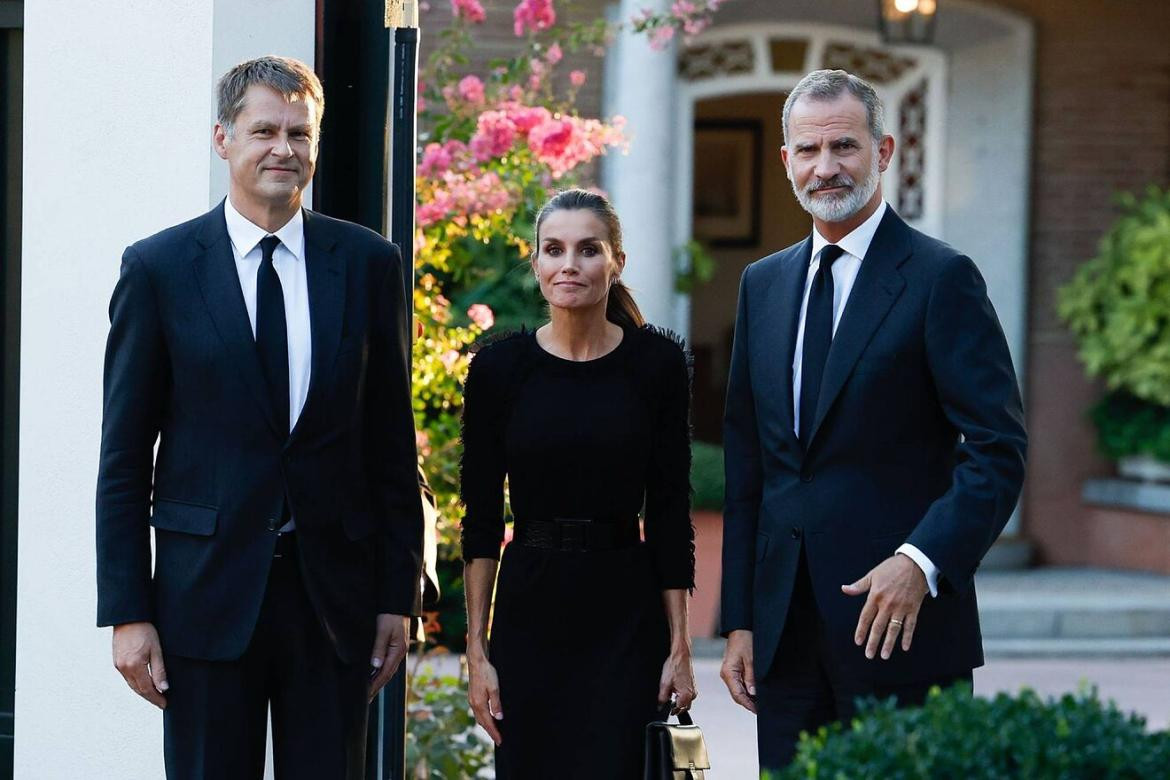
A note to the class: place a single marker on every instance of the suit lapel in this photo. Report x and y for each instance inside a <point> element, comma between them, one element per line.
<point>877,287</point>
<point>325,273</point>
<point>219,283</point>
<point>783,304</point>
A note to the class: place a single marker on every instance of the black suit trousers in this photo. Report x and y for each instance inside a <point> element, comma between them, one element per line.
<point>805,688</point>
<point>215,723</point>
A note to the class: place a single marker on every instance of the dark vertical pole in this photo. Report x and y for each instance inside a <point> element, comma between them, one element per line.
<point>404,139</point>
<point>11,80</point>
<point>353,59</point>
<point>401,194</point>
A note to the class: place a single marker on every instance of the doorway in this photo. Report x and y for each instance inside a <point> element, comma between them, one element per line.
<point>743,209</point>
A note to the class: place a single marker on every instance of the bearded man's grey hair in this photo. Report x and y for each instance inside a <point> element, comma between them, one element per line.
<point>830,85</point>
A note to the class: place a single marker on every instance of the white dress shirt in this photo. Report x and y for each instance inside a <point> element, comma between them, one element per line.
<point>844,271</point>
<point>289,261</point>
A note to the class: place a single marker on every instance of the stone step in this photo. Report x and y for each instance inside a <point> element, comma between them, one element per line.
<point>1156,647</point>
<point>1073,604</point>
<point>1065,612</point>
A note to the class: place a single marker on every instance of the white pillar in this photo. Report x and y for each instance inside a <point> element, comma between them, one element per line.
<point>119,99</point>
<point>115,148</point>
<point>989,151</point>
<point>641,88</point>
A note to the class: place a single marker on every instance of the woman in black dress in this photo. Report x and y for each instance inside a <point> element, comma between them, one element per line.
<point>588,419</point>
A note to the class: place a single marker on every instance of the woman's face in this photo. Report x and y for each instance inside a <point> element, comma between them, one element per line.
<point>575,263</point>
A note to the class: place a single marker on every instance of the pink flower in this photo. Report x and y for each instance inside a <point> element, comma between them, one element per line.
<point>534,82</point>
<point>471,89</point>
<point>471,10</point>
<point>422,441</point>
<point>683,8</point>
<point>525,117</point>
<point>494,135</point>
<point>482,315</point>
<point>533,16</point>
<point>554,54</point>
<point>428,214</point>
<point>436,160</point>
<point>660,38</point>
<point>577,78</point>
<point>550,139</point>
<point>449,359</point>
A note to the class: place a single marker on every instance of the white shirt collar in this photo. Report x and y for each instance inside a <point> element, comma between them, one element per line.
<point>245,234</point>
<point>858,241</point>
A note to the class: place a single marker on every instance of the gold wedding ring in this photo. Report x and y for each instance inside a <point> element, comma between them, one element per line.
<point>895,622</point>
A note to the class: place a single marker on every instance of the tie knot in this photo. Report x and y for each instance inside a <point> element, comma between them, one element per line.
<point>268,245</point>
<point>829,255</point>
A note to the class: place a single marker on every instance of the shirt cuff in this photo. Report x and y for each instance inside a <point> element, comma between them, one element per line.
<point>924,563</point>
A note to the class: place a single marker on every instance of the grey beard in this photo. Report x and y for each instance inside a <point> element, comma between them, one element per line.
<point>838,209</point>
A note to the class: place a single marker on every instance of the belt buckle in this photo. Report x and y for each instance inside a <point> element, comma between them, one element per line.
<point>573,534</point>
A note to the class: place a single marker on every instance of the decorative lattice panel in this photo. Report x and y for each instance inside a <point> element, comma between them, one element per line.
<point>873,65</point>
<point>788,54</point>
<point>912,154</point>
<point>719,59</point>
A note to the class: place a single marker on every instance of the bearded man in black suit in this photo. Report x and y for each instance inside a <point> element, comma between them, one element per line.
<point>874,442</point>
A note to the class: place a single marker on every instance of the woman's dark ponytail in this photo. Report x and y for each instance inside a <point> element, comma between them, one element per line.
<point>622,309</point>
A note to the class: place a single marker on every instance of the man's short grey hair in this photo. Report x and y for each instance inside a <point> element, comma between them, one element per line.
<point>830,85</point>
<point>291,78</point>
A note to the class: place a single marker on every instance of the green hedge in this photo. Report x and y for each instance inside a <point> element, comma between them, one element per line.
<point>707,476</point>
<point>957,736</point>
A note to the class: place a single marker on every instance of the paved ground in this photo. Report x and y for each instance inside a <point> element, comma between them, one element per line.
<point>1141,685</point>
<point>1137,684</point>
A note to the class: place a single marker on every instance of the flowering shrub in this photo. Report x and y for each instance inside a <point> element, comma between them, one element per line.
<point>495,146</point>
<point>442,741</point>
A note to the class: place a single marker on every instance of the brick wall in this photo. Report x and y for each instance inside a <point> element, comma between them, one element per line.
<point>1102,124</point>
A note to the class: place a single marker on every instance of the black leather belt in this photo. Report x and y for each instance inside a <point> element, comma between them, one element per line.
<point>576,534</point>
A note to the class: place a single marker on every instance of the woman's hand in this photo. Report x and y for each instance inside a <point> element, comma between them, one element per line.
<point>678,677</point>
<point>483,693</point>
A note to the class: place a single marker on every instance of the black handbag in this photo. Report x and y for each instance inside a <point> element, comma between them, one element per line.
<point>675,751</point>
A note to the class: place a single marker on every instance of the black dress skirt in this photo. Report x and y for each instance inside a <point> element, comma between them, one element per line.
<point>579,639</point>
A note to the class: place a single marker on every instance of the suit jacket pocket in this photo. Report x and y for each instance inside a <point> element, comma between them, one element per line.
<point>183,517</point>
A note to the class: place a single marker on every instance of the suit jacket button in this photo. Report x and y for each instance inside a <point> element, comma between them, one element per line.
<point>796,532</point>
<point>806,476</point>
<point>272,524</point>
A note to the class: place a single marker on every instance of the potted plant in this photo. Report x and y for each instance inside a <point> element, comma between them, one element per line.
<point>1118,307</point>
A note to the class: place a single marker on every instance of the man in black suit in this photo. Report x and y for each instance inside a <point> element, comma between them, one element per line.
<point>266,349</point>
<point>874,443</point>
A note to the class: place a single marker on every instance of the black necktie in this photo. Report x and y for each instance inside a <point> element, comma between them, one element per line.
<point>818,336</point>
<point>272,331</point>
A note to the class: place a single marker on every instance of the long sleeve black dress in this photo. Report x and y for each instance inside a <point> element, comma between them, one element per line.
<point>579,639</point>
